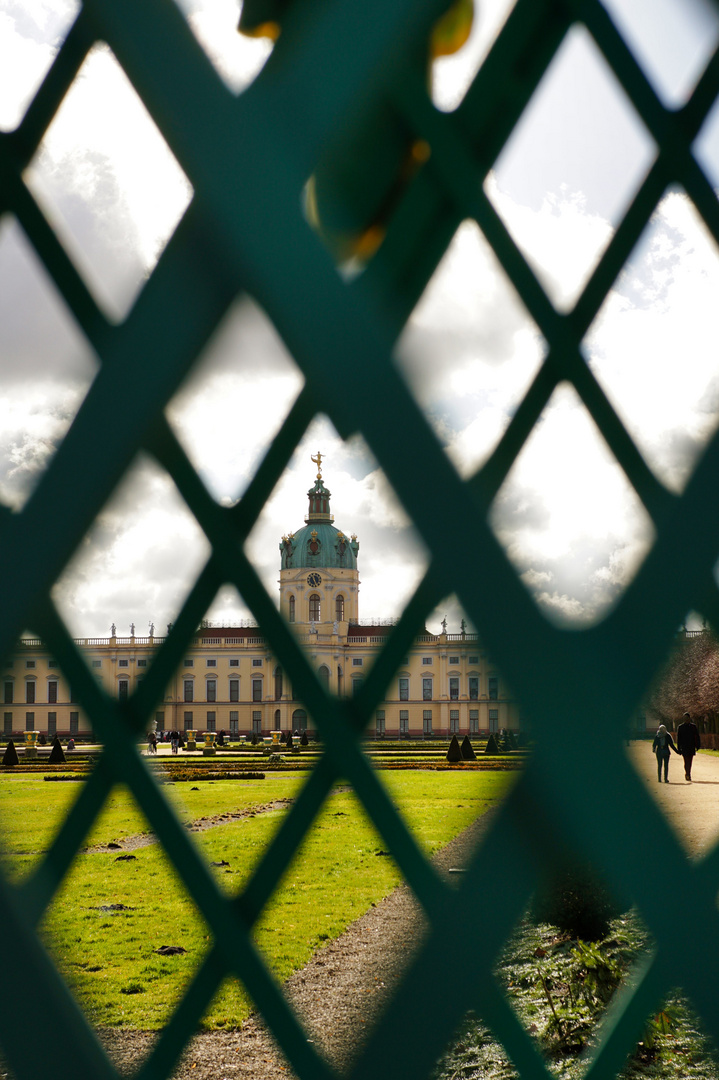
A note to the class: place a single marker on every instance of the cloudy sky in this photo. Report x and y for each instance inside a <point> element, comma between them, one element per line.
<point>566,515</point>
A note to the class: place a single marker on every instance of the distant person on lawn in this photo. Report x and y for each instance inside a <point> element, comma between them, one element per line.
<point>688,740</point>
<point>663,742</point>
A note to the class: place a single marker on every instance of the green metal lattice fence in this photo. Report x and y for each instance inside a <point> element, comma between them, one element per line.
<point>248,159</point>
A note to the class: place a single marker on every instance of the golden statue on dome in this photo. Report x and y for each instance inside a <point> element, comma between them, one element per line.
<point>318,462</point>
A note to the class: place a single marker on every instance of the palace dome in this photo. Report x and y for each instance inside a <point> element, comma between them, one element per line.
<point>319,543</point>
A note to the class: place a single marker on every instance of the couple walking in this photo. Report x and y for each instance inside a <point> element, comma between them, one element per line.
<point>688,740</point>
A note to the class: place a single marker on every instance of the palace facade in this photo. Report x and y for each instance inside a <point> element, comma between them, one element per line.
<point>229,680</point>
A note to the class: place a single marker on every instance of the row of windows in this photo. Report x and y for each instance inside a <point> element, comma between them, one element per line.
<point>30,692</point>
<point>123,662</point>
<point>31,663</point>
<point>211,662</point>
<point>426,661</point>
<point>299,721</point>
<point>188,689</point>
<point>454,686</point>
<point>257,689</point>
<point>380,721</point>
<point>234,661</point>
<point>51,723</point>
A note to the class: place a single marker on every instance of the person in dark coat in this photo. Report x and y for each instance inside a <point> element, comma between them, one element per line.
<point>688,742</point>
<point>663,742</point>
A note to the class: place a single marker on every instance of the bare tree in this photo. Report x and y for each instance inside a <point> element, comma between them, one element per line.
<point>689,682</point>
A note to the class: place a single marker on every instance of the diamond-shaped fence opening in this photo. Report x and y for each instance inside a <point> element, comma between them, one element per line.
<point>334,77</point>
<point>105,178</point>
<point>27,50</point>
<point>364,516</point>
<point>578,155</point>
<point>570,522</point>
<point>238,58</point>
<point>243,413</point>
<point>693,30</point>
<point>139,530</point>
<point>663,346</point>
<point>46,365</point>
<point>470,350</point>
<point>130,946</point>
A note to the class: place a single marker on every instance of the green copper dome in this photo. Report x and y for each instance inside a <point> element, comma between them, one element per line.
<point>319,543</point>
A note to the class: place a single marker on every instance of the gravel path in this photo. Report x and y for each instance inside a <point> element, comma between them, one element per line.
<point>692,808</point>
<point>336,995</point>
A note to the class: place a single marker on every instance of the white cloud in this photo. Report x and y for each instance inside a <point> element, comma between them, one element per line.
<point>138,561</point>
<point>235,399</point>
<point>653,343</point>
<point>30,31</point>
<point>561,241</point>
<point>33,421</point>
<point>107,180</point>
<point>567,515</point>
<point>469,349</point>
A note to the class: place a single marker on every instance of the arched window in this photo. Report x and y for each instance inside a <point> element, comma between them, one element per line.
<point>314,607</point>
<point>278,684</point>
<point>324,676</point>
<point>340,608</point>
<point>299,720</point>
<point>277,719</point>
<point>292,609</point>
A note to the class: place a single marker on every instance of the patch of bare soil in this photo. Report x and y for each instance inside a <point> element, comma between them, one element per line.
<point>131,843</point>
<point>337,995</point>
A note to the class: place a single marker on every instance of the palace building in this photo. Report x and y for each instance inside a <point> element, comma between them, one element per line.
<point>229,680</point>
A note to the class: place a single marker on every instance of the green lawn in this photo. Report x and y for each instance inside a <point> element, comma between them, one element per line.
<point>337,875</point>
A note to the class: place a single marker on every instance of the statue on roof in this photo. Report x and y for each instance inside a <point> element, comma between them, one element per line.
<point>318,462</point>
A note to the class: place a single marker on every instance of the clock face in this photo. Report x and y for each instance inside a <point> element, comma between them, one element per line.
<point>314,580</point>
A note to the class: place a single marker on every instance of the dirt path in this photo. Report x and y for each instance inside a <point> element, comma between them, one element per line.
<point>140,840</point>
<point>336,995</point>
<point>692,808</point>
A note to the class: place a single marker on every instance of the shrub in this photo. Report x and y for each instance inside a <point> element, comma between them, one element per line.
<point>454,753</point>
<point>574,899</point>
<point>468,753</point>
<point>492,747</point>
<point>10,756</point>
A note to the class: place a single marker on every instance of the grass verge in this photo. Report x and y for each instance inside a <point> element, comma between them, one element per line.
<point>111,915</point>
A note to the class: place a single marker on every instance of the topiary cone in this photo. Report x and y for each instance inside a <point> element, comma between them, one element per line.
<point>10,756</point>
<point>468,753</point>
<point>57,754</point>
<point>491,747</point>
<point>454,753</point>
